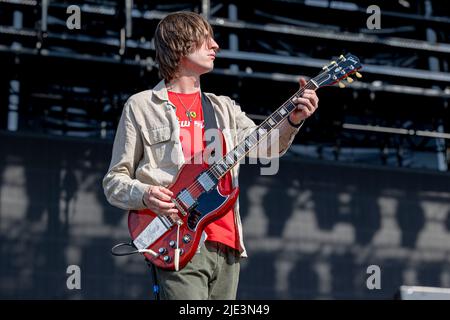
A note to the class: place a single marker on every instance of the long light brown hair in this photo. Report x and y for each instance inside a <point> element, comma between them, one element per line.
<point>176,36</point>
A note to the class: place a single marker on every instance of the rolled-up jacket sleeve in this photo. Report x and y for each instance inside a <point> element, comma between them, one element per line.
<point>121,188</point>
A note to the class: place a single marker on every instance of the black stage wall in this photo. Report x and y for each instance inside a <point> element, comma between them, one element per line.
<point>311,231</point>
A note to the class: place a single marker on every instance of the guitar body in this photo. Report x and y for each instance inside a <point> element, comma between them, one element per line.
<point>209,207</point>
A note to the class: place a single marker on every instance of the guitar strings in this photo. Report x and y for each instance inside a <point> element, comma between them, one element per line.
<point>214,170</point>
<point>196,186</point>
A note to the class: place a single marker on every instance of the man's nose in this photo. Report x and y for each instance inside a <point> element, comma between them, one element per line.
<point>213,44</point>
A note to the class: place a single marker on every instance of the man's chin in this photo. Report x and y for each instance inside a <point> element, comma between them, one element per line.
<point>207,69</point>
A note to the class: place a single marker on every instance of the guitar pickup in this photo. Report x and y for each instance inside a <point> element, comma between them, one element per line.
<point>186,199</point>
<point>206,181</point>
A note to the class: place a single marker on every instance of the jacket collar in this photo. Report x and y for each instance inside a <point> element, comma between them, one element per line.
<point>160,91</point>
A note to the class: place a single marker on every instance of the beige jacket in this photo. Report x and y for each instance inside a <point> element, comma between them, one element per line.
<point>147,138</point>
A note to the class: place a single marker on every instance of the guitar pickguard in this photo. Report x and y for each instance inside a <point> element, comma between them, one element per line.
<point>207,202</point>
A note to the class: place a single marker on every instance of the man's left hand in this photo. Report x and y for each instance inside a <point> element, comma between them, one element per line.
<point>306,105</point>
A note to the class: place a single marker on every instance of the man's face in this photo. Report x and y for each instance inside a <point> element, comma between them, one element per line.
<point>201,60</point>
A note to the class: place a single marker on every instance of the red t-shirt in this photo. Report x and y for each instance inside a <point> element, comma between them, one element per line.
<point>222,230</point>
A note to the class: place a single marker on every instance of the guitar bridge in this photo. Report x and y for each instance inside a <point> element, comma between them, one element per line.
<point>179,207</point>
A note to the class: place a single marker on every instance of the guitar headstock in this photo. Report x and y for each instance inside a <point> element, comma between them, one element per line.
<point>339,70</point>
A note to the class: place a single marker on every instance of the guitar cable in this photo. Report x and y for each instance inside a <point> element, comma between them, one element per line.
<point>151,266</point>
<point>130,244</point>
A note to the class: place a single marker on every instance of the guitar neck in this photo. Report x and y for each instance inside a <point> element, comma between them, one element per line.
<point>221,167</point>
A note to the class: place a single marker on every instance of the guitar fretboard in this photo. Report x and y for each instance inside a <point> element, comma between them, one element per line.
<point>221,167</point>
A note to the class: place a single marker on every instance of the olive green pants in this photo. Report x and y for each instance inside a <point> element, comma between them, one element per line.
<point>212,274</point>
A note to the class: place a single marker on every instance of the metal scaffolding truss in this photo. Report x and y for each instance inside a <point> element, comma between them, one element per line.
<point>268,44</point>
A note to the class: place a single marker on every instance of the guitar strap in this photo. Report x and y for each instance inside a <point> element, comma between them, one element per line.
<point>209,115</point>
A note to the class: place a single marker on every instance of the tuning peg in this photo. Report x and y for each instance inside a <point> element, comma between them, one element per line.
<point>342,57</point>
<point>332,62</point>
<point>341,85</point>
<point>349,80</point>
<point>325,67</point>
<point>358,75</point>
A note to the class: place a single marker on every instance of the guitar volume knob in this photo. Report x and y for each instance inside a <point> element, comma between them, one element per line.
<point>172,243</point>
<point>166,259</point>
<point>187,238</point>
<point>162,250</point>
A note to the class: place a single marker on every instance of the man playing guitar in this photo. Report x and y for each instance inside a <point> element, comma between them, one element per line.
<point>161,128</point>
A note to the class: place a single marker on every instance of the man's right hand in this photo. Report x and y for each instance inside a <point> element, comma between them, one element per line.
<point>157,199</point>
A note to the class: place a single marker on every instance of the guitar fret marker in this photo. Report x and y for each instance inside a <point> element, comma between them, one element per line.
<point>252,136</point>
<point>218,166</point>
<point>224,166</point>
<point>219,170</point>
<point>277,117</point>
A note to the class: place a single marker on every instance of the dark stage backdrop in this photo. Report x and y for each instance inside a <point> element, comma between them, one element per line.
<point>311,231</point>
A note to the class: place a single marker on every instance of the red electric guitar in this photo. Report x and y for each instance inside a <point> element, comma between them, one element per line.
<point>171,245</point>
